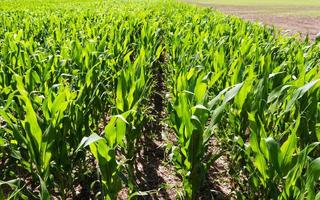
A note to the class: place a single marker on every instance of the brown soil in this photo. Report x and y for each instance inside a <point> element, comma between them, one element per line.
<point>282,17</point>
<point>218,181</point>
<point>156,175</point>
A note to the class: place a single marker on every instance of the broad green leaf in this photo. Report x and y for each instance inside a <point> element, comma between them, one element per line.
<point>261,164</point>
<point>232,92</point>
<point>289,146</point>
<point>86,141</point>
<point>300,92</point>
<point>274,153</point>
<point>253,142</point>
<point>200,91</point>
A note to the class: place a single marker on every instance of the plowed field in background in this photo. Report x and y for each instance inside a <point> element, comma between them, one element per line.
<point>292,17</point>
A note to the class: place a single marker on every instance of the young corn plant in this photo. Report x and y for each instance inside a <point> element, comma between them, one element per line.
<point>105,149</point>
<point>281,169</point>
<point>38,134</point>
<point>188,117</point>
<point>189,114</point>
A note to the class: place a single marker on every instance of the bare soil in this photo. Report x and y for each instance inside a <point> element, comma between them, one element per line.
<point>289,19</point>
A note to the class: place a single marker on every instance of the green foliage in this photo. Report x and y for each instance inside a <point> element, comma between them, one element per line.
<point>77,77</point>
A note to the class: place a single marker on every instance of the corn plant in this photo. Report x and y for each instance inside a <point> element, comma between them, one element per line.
<point>190,111</point>
<point>188,117</point>
<point>35,133</point>
<point>104,150</point>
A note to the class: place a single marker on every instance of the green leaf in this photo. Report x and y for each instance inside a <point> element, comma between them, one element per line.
<point>159,51</point>
<point>44,194</point>
<point>261,164</point>
<point>243,93</point>
<point>89,76</point>
<point>313,176</point>
<point>119,94</point>
<point>289,146</point>
<point>253,142</point>
<point>274,151</point>
<point>274,94</point>
<point>200,91</point>
<point>86,141</point>
<point>299,93</point>
<point>12,183</point>
<point>314,169</point>
<point>58,103</point>
<point>232,92</point>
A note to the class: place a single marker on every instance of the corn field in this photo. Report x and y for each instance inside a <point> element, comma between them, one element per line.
<point>84,84</point>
